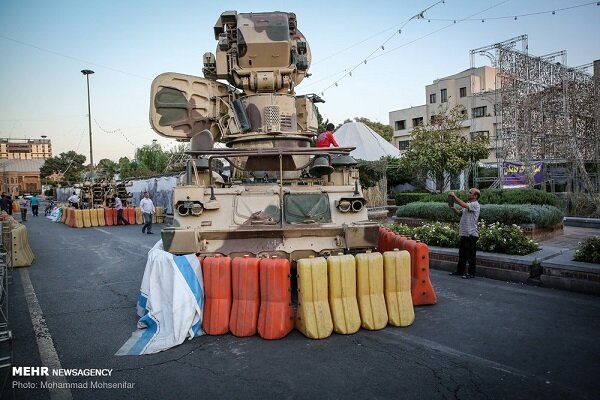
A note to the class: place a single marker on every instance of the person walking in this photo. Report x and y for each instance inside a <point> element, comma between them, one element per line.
<point>119,207</point>
<point>468,231</point>
<point>325,139</point>
<point>9,204</point>
<point>148,209</point>
<point>34,205</point>
<point>23,207</point>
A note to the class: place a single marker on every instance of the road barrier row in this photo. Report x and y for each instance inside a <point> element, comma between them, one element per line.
<point>94,217</point>
<point>341,293</point>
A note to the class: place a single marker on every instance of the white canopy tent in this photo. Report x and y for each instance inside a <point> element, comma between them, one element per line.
<point>370,146</point>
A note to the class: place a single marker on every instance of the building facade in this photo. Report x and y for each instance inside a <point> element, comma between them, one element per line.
<point>20,163</point>
<point>25,149</point>
<point>474,89</point>
<point>20,176</point>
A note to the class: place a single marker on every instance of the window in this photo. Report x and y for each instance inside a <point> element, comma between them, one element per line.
<point>400,125</point>
<point>436,119</point>
<point>417,121</point>
<point>463,92</point>
<point>403,144</point>
<point>432,98</point>
<point>444,95</point>
<point>479,112</point>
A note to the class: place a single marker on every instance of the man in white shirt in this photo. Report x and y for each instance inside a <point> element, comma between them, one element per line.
<point>119,207</point>
<point>73,200</point>
<point>147,207</point>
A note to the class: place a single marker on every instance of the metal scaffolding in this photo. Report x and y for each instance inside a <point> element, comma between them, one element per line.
<point>546,112</point>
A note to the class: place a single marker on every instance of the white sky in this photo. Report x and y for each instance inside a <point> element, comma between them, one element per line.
<point>44,45</point>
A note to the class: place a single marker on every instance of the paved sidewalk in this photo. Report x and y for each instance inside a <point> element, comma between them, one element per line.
<point>571,237</point>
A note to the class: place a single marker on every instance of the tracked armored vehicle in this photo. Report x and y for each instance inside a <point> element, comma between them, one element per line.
<point>282,197</point>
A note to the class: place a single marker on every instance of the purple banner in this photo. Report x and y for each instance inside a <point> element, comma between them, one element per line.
<point>521,174</point>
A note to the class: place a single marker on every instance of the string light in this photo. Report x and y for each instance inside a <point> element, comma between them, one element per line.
<point>118,130</point>
<point>515,17</point>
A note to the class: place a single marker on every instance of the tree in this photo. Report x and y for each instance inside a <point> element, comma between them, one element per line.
<point>384,130</point>
<point>152,157</point>
<point>440,150</point>
<point>106,169</point>
<point>70,164</point>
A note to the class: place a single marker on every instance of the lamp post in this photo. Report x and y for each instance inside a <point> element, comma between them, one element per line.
<point>87,73</point>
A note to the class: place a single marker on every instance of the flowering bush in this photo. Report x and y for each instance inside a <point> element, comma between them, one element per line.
<point>589,250</point>
<point>401,229</point>
<point>496,237</point>
<point>508,239</point>
<point>437,234</point>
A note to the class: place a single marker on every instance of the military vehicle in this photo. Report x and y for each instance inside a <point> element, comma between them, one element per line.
<point>282,197</point>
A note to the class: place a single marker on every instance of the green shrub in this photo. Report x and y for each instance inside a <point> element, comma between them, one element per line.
<point>589,250</point>
<point>508,239</point>
<point>403,198</point>
<point>504,196</point>
<point>508,214</point>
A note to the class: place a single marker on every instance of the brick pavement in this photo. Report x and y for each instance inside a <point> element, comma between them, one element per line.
<point>570,237</point>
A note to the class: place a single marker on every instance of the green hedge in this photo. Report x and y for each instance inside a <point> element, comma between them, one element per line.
<point>508,214</point>
<point>403,198</point>
<point>503,196</point>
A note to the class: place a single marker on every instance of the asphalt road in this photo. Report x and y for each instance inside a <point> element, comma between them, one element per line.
<point>484,339</point>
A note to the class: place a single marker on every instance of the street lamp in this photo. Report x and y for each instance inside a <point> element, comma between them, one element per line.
<point>87,73</point>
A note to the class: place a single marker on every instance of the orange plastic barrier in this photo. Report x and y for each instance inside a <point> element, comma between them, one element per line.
<point>276,316</point>
<point>114,216</point>
<point>398,242</point>
<point>71,217</point>
<point>421,288</point>
<point>108,216</point>
<point>217,294</point>
<point>387,243</point>
<point>246,296</point>
<point>129,215</point>
<point>382,232</point>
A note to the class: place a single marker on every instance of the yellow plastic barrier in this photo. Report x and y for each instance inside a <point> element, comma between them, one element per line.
<point>139,217</point>
<point>65,213</point>
<point>371,301</point>
<point>22,256</point>
<point>78,218</point>
<point>87,220</point>
<point>341,274</point>
<point>160,215</point>
<point>397,277</point>
<point>94,216</point>
<point>314,317</point>
<point>100,213</point>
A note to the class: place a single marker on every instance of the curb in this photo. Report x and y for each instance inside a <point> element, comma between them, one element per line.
<point>557,270</point>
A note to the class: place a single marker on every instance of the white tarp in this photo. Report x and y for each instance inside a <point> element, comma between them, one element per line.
<point>370,146</point>
<point>170,304</point>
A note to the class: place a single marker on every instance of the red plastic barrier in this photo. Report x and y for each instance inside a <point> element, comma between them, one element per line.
<point>276,316</point>
<point>421,288</point>
<point>108,216</point>
<point>217,294</point>
<point>246,296</point>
